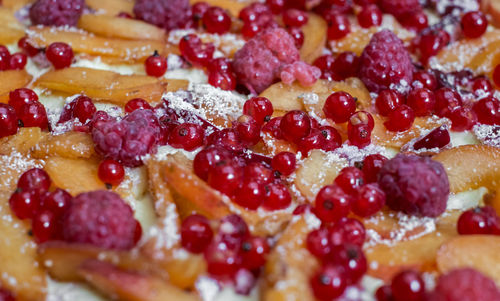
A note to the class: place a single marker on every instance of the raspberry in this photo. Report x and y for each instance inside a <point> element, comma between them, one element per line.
<point>127,140</point>
<point>464,284</point>
<point>306,74</point>
<point>385,62</point>
<point>56,12</point>
<point>400,8</point>
<point>168,14</point>
<point>258,63</point>
<point>415,185</point>
<point>99,218</point>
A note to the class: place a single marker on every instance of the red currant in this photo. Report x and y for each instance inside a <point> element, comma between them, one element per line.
<point>26,47</point>
<point>422,101</point>
<point>425,79</point>
<point>352,259</point>
<point>155,65</point>
<point>350,179</point>
<point>294,17</point>
<point>223,260</point>
<point>260,108</point>
<point>370,15</point>
<point>35,179</point>
<point>59,54</point>
<point>295,125</point>
<point>318,243</point>
<point>408,286</point>
<point>346,65</point>
<point>339,106</point>
<point>8,120</point>
<point>325,64</point>
<point>329,282</point>
<point>4,58</point>
<point>21,96</point>
<point>462,119</point>
<point>137,104</point>
<point>83,108</point>
<point>474,24</point>
<point>196,233</point>
<point>225,177</point>
<point>437,138</point>
<point>223,80</point>
<point>254,251</point>
<point>18,61</point>
<point>44,226</point>
<point>348,231</point>
<point>359,129</point>
<point>447,99</point>
<point>400,119</point>
<point>487,110</point>
<point>297,35</point>
<point>370,200</point>
<point>111,172</point>
<point>276,6</point>
<point>195,51</point>
<point>24,203</point>
<point>284,162</point>
<point>216,20</point>
<point>416,21</point>
<point>480,220</point>
<point>56,201</point>
<point>233,230</point>
<point>371,167</point>
<point>387,101</point>
<point>338,26</point>
<point>257,171</point>
<point>332,203</point>
<point>277,197</point>
<point>250,195</point>
<point>481,86</point>
<point>198,10</point>
<point>207,158</point>
<point>188,136</point>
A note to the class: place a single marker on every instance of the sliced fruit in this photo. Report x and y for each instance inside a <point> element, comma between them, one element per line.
<point>492,7</point>
<point>318,170</point>
<point>70,145</point>
<point>111,7</point>
<point>176,84</point>
<point>382,136</point>
<point>290,265</point>
<point>232,6</point>
<point>74,175</point>
<point>271,146</point>
<point>81,41</point>
<point>314,38</point>
<point>122,28</point>
<point>481,252</point>
<point>23,142</point>
<point>160,192</point>
<point>102,84</point>
<point>21,272</point>
<point>11,30</point>
<point>480,169</point>
<point>11,80</point>
<point>129,285</point>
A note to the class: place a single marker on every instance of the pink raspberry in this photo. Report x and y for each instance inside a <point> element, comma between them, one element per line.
<point>304,73</point>
<point>99,218</point>
<point>465,284</point>
<point>127,140</point>
<point>415,185</point>
<point>385,62</point>
<point>400,8</point>
<point>168,14</point>
<point>56,12</point>
<point>259,62</point>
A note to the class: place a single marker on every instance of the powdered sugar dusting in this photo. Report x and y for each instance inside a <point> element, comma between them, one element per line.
<point>488,134</point>
<point>166,233</point>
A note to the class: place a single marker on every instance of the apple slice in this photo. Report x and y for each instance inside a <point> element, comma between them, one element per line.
<point>290,265</point>
<point>382,136</point>
<point>74,175</point>
<point>314,38</point>
<point>70,145</point>
<point>110,7</point>
<point>481,252</point>
<point>318,170</point>
<point>122,28</point>
<point>11,80</point>
<point>21,272</point>
<point>131,286</point>
<point>102,84</point>
<point>83,42</point>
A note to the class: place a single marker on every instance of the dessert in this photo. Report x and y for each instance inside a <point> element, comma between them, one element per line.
<point>244,150</point>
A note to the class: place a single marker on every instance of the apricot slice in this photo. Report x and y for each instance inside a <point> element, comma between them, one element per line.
<point>290,265</point>
<point>382,136</point>
<point>83,42</point>
<point>111,7</point>
<point>74,175</point>
<point>11,80</point>
<point>130,285</point>
<point>22,142</point>
<point>318,170</point>
<point>314,38</point>
<point>21,272</point>
<point>71,145</point>
<point>481,252</point>
<point>102,84</point>
<point>123,28</point>
<point>11,30</point>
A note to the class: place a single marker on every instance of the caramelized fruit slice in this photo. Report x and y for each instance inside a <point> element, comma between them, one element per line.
<point>11,80</point>
<point>122,28</point>
<point>71,145</point>
<point>314,38</point>
<point>21,272</point>
<point>234,7</point>
<point>23,142</point>
<point>81,41</point>
<point>62,260</point>
<point>472,166</point>
<point>102,84</point>
<point>129,285</point>
<point>318,170</point>
<point>382,136</point>
<point>415,250</point>
<point>481,252</point>
<point>290,265</point>
<point>11,30</point>
<point>74,175</point>
<point>111,7</point>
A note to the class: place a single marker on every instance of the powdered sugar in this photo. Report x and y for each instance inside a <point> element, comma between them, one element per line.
<point>488,134</point>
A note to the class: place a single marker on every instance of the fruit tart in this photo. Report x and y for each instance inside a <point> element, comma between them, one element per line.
<point>217,150</point>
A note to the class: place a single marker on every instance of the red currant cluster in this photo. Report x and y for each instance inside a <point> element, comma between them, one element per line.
<point>231,253</point>
<point>8,61</point>
<point>59,54</point>
<point>23,109</point>
<point>341,67</point>
<point>405,286</point>
<point>33,200</point>
<point>257,17</point>
<point>81,108</point>
<point>199,54</point>
<point>214,19</point>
